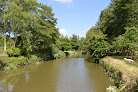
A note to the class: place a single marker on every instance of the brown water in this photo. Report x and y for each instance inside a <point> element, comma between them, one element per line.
<point>61,75</point>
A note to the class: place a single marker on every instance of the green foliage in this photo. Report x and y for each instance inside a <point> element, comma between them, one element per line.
<point>61,54</point>
<point>81,43</point>
<point>57,53</point>
<point>14,52</point>
<point>24,51</point>
<point>96,43</point>
<point>12,62</point>
<point>119,14</point>
<point>34,58</point>
<point>131,37</point>
<point>100,48</point>
<point>119,23</point>
<point>75,42</point>
<point>64,44</point>
<point>128,42</point>
<point>9,63</point>
<point>32,24</point>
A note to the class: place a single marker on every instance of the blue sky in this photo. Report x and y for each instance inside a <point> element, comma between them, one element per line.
<point>76,16</point>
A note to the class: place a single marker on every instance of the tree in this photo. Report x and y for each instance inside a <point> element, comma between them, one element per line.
<point>3,20</point>
<point>119,14</point>
<point>131,37</point>
<point>74,42</point>
<point>105,23</point>
<point>32,24</point>
<point>81,43</point>
<point>64,44</point>
<point>128,42</point>
<point>97,44</point>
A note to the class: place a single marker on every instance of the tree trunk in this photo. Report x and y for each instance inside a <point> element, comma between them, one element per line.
<point>5,41</point>
<point>9,39</point>
<point>15,41</point>
<point>4,32</point>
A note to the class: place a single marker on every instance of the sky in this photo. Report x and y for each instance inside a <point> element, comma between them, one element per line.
<point>76,16</point>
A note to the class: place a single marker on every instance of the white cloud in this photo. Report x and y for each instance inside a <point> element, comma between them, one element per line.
<point>65,1</point>
<point>63,32</point>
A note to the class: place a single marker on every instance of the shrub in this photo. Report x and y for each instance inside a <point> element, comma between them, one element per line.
<point>61,54</point>
<point>21,61</point>
<point>1,48</point>
<point>14,52</point>
<point>58,53</point>
<point>10,52</point>
<point>9,63</point>
<point>24,51</point>
<point>17,52</point>
<point>34,58</point>
<point>100,48</point>
<point>1,64</point>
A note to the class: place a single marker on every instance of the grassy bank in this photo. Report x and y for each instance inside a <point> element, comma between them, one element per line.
<point>8,63</point>
<point>18,57</point>
<point>124,75</point>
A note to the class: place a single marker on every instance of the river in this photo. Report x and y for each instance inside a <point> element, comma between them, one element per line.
<point>70,74</point>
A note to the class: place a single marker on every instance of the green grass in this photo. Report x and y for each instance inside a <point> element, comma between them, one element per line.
<point>135,58</point>
<point>128,73</point>
<point>8,63</point>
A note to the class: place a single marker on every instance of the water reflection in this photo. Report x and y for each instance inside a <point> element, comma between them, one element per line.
<point>5,87</point>
<point>74,77</point>
<point>61,75</point>
<point>27,76</point>
<point>1,88</point>
<point>10,88</point>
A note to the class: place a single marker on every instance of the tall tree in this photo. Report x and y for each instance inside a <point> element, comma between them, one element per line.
<point>74,42</point>
<point>3,19</point>
<point>64,44</point>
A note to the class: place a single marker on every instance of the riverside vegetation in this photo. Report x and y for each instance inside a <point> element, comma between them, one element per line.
<point>28,34</point>
<point>116,35</point>
<point>35,38</point>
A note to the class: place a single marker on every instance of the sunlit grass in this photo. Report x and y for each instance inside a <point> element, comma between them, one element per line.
<point>129,71</point>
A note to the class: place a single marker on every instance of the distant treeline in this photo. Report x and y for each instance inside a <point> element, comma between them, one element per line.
<point>116,30</point>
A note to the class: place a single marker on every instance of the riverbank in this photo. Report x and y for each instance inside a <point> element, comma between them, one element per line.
<point>8,63</point>
<point>124,74</point>
<point>74,53</point>
<point>14,58</point>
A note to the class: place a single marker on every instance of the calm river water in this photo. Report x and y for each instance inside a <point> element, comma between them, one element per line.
<point>70,74</point>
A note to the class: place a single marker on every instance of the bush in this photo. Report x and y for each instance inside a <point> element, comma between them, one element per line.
<point>61,54</point>
<point>24,51</point>
<point>9,63</point>
<point>1,48</point>
<point>15,52</point>
<point>57,53</point>
<point>100,48</point>
<point>1,64</point>
<point>21,61</point>
<point>10,52</point>
<point>34,58</point>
